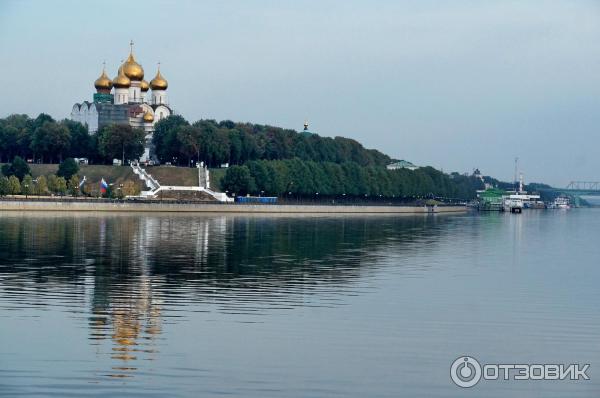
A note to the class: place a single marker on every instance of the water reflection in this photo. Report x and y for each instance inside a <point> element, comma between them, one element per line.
<point>186,306</point>
<point>132,273</point>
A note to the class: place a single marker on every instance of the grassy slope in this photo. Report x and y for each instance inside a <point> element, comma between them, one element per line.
<point>216,175</point>
<point>166,175</point>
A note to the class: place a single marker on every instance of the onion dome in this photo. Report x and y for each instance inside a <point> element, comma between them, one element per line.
<point>144,86</point>
<point>132,69</point>
<point>148,117</point>
<point>103,82</point>
<point>159,82</point>
<point>121,81</point>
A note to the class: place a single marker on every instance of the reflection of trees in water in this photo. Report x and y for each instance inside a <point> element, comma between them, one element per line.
<point>126,266</point>
<point>219,248</point>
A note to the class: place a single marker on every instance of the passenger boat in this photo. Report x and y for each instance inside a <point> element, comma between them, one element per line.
<point>561,202</point>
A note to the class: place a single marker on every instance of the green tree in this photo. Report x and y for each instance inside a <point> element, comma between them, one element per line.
<point>18,168</point>
<point>82,143</point>
<point>4,186</point>
<point>189,142</point>
<point>73,185</point>
<point>52,183</point>
<point>27,186</point>
<point>51,140</point>
<point>67,168</point>
<point>41,119</point>
<point>61,186</point>
<point>41,188</point>
<point>14,186</point>
<point>120,141</point>
<point>238,180</point>
<point>165,137</point>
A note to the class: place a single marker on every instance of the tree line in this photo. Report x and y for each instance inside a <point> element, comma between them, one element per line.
<point>179,142</point>
<point>264,159</point>
<point>16,179</point>
<point>310,179</point>
<point>45,140</point>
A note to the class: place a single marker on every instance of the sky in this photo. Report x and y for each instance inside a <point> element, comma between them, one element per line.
<point>456,84</point>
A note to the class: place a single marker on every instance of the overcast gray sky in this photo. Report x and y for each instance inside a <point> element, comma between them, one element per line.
<point>452,84</point>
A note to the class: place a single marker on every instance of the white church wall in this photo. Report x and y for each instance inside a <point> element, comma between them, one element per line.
<point>159,97</point>
<point>83,113</point>
<point>92,121</point>
<point>161,112</point>
<point>75,113</point>
<point>135,92</point>
<point>121,96</point>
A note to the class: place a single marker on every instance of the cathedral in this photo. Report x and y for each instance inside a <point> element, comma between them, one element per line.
<point>126,99</point>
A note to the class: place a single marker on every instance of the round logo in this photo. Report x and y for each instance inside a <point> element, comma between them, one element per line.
<point>465,372</point>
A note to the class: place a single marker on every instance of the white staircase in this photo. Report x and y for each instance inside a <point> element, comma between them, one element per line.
<point>155,187</point>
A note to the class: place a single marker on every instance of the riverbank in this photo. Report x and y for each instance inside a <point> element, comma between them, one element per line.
<point>210,207</point>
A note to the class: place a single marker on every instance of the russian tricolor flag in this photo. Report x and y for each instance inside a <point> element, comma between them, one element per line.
<point>103,186</point>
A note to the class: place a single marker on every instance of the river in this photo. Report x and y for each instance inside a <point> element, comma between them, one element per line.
<point>171,305</point>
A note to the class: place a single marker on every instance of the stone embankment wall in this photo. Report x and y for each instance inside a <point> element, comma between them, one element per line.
<point>91,206</point>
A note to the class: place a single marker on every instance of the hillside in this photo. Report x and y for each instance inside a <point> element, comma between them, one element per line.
<point>166,175</point>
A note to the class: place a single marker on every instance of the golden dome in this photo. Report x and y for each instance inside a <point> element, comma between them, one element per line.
<point>132,69</point>
<point>159,82</point>
<point>148,117</point>
<point>121,81</point>
<point>103,82</point>
<point>144,86</point>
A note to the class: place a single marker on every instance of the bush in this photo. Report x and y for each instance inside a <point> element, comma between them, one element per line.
<point>73,185</point>
<point>18,168</point>
<point>68,168</point>
<point>238,180</point>
<point>41,188</point>
<point>14,186</point>
<point>4,186</point>
<point>27,187</point>
<point>61,186</point>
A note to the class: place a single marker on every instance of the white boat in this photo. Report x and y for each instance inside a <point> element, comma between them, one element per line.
<point>561,203</point>
<point>513,205</point>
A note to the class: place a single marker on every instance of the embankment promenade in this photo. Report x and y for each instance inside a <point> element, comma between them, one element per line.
<point>209,207</point>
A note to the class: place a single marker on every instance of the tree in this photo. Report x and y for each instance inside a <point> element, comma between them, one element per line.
<point>41,188</point>
<point>189,142</point>
<point>4,186</point>
<point>14,186</point>
<point>68,168</point>
<point>120,141</point>
<point>73,185</point>
<point>52,183</point>
<point>165,137</point>
<point>41,119</point>
<point>18,168</point>
<point>51,139</point>
<point>27,187</point>
<point>238,180</point>
<point>61,186</point>
<point>82,143</point>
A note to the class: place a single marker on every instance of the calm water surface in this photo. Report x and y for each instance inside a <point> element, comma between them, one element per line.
<point>185,306</point>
